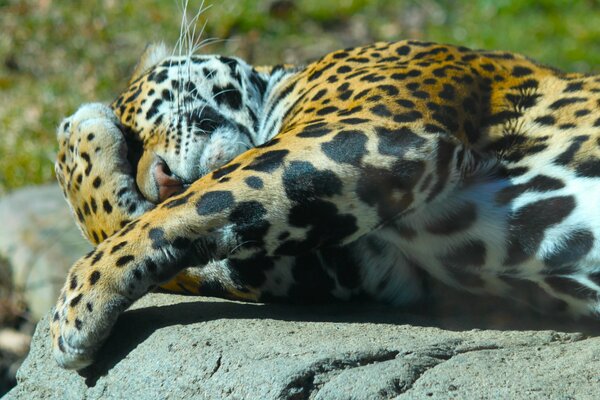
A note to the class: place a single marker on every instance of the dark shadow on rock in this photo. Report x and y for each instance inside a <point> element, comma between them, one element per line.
<point>135,326</point>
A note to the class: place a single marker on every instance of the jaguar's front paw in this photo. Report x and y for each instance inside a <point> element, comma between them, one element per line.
<point>81,322</point>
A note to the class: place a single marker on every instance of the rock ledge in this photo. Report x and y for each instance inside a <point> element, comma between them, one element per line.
<point>180,347</point>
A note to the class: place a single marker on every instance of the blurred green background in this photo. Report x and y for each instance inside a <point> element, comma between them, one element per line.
<point>56,54</point>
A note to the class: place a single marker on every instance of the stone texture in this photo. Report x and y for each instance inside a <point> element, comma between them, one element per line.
<point>40,241</point>
<point>181,347</point>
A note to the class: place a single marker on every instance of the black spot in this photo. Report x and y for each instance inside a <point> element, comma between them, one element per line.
<point>314,75</point>
<point>250,272</point>
<point>214,202</point>
<point>106,206</point>
<point>97,182</point>
<point>124,260</point>
<point>362,94</point>
<point>565,101</point>
<point>567,126</point>
<point>575,247</point>
<point>73,284</point>
<point>501,117</point>
<point>132,207</point>
<point>381,110</point>
<point>347,147</point>
<point>405,103</point>
<point>221,172</point>
<point>325,226</point>
<point>268,162</point>
<point>345,95</point>
<point>247,213</point>
<point>157,236</point>
<point>76,300</point>
<point>589,168</point>
<point>327,110</point>
<point>167,95</point>
<point>520,71</point>
<point>178,201</point>
<point>361,60</point>
<point>571,287</point>
<point>372,78</point>
<point>445,153</point>
<point>86,208</point>
<point>89,306</point>
<point>410,116</point>
<point>205,121</point>
<point>254,182</point>
<point>340,54</point>
<point>160,77</point>
<point>528,223</point>
<point>516,171</point>
<point>249,223</point>
<point>573,87</point>
<point>128,227</point>
<point>353,121</point>
<point>522,101</point>
<point>94,276</point>
<point>448,92</point>
<point>78,324</point>
<point>153,110</point>
<point>539,183</point>
<point>302,182</point>
<point>458,219</point>
<point>96,258</point>
<point>314,130</point>
<point>319,94</point>
<point>229,95</point>
<point>567,156</point>
<point>389,89</point>
<point>396,142</point>
<point>88,167</point>
<point>403,50</point>
<point>488,67</point>
<point>390,189</point>
<point>93,205</point>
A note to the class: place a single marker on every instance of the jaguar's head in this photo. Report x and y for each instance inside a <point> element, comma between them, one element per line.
<point>185,116</point>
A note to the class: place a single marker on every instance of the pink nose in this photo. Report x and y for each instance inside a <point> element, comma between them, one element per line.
<point>168,184</point>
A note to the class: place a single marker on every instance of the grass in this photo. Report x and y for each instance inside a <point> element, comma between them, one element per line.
<point>56,54</point>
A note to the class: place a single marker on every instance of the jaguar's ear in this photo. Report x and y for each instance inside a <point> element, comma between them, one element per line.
<point>153,54</point>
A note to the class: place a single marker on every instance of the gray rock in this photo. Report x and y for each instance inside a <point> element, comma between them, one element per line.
<point>179,347</point>
<point>40,241</point>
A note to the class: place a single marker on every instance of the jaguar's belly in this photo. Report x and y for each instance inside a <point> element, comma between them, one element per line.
<point>536,232</point>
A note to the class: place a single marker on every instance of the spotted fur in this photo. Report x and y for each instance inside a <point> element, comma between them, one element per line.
<point>351,176</point>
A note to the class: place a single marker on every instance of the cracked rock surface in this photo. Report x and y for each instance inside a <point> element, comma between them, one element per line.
<point>181,347</point>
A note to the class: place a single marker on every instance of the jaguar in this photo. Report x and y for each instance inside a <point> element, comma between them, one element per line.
<point>351,177</point>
